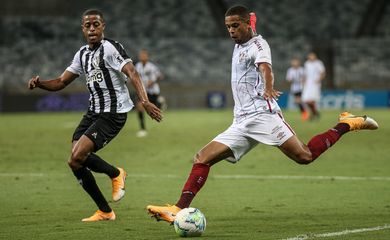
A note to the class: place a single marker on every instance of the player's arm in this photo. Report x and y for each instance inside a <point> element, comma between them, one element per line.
<point>53,84</point>
<point>153,111</point>
<point>265,70</point>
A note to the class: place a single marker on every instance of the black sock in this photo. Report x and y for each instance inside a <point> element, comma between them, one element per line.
<point>301,108</point>
<point>96,164</point>
<point>87,181</point>
<point>141,120</point>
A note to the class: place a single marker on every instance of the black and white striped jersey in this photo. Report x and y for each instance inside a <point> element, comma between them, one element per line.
<point>106,83</point>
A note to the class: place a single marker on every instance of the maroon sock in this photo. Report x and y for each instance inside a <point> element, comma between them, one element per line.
<point>195,182</point>
<point>321,142</point>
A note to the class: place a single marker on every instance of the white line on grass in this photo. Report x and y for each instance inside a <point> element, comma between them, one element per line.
<point>334,234</point>
<point>256,177</point>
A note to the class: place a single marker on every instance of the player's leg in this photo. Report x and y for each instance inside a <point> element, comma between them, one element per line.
<point>300,105</point>
<point>203,160</point>
<point>212,153</point>
<point>305,154</point>
<point>80,151</point>
<point>101,132</point>
<point>117,175</point>
<point>141,118</point>
<point>314,110</point>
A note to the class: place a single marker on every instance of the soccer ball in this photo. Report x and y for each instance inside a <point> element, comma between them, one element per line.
<point>190,222</point>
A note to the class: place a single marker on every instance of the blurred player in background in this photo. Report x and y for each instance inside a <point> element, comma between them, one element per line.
<point>295,76</point>
<point>257,116</point>
<point>314,74</point>
<point>105,64</point>
<point>150,75</point>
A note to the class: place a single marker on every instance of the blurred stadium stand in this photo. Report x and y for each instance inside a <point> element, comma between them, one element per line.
<point>187,39</point>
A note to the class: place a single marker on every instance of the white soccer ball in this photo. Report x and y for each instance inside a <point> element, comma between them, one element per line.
<point>190,222</point>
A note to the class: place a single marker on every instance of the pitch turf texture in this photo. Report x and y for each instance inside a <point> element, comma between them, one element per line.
<point>346,188</point>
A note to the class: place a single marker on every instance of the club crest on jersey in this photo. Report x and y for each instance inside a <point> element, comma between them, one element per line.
<point>242,56</point>
<point>96,62</point>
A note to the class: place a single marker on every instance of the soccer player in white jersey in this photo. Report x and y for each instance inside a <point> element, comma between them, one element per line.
<point>105,65</point>
<point>257,116</point>
<point>314,74</point>
<point>150,75</point>
<point>295,76</point>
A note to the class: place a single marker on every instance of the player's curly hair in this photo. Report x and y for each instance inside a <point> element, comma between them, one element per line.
<point>93,11</point>
<point>239,10</point>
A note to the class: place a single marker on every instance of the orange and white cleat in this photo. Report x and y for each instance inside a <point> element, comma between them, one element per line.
<point>100,216</point>
<point>358,122</point>
<point>164,213</point>
<point>118,185</point>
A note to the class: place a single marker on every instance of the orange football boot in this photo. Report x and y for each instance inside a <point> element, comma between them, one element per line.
<point>100,216</point>
<point>358,122</point>
<point>118,185</point>
<point>165,213</point>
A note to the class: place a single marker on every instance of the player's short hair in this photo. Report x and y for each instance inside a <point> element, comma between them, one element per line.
<point>239,10</point>
<point>93,11</point>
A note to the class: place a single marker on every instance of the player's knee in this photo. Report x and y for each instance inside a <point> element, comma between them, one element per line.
<point>77,158</point>
<point>198,158</point>
<point>303,159</point>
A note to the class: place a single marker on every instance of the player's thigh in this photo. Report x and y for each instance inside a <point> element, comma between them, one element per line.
<point>236,141</point>
<point>296,150</point>
<point>212,153</point>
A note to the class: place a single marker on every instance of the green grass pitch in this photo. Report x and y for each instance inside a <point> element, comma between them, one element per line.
<point>40,198</point>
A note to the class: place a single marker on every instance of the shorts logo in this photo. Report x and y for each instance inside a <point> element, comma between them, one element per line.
<point>281,135</point>
<point>94,135</point>
<point>276,129</point>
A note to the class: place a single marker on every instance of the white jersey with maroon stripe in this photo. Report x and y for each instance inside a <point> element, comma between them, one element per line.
<point>247,82</point>
<point>106,83</point>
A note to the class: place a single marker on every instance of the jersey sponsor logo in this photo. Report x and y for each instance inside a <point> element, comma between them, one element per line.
<point>95,75</point>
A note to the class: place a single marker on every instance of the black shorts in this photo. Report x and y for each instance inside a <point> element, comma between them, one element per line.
<point>101,128</point>
<point>297,94</point>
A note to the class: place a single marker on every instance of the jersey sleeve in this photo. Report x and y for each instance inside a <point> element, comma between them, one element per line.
<point>76,67</point>
<point>261,52</point>
<point>116,56</point>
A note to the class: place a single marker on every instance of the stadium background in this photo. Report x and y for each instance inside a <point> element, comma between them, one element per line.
<point>189,42</point>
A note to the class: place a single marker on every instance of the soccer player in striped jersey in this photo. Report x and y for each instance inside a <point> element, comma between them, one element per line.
<point>257,116</point>
<point>295,76</point>
<point>150,75</point>
<point>106,65</point>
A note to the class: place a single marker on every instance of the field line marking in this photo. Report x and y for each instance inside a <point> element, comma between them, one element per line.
<point>232,177</point>
<point>334,234</point>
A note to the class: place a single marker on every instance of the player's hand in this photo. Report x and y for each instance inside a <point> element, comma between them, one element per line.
<point>153,111</point>
<point>270,94</point>
<point>33,82</point>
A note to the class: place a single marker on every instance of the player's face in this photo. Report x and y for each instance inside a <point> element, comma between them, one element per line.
<point>143,56</point>
<point>238,29</point>
<point>93,28</point>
